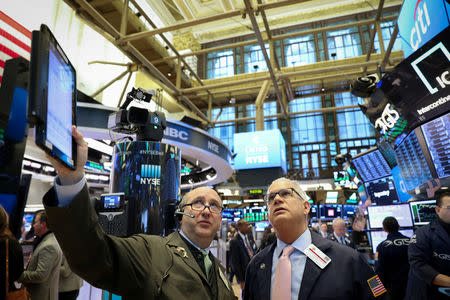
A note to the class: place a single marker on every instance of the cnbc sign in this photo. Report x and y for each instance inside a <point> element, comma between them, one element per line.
<point>421,20</point>
<point>259,149</point>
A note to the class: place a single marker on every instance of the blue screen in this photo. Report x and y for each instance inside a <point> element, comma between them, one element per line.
<point>260,226</point>
<point>9,203</point>
<point>260,149</point>
<point>412,163</point>
<point>437,136</point>
<point>17,119</point>
<point>314,212</point>
<point>349,211</point>
<point>372,165</point>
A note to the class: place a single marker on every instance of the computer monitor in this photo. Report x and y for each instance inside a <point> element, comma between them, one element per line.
<point>388,152</point>
<point>412,162</point>
<point>331,197</point>
<point>28,220</point>
<point>330,211</point>
<point>437,137</point>
<point>371,165</point>
<point>313,213</point>
<point>260,226</point>
<point>232,214</point>
<point>423,211</point>
<point>382,191</point>
<point>348,211</point>
<point>377,236</point>
<point>401,212</point>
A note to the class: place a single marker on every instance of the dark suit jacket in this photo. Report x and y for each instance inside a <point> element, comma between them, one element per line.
<point>138,267</point>
<point>239,256</point>
<point>348,240</point>
<point>344,278</point>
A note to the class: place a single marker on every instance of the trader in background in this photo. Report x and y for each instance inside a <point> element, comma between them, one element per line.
<point>242,250</point>
<point>302,264</point>
<point>392,264</point>
<point>41,276</point>
<point>429,256</point>
<point>340,234</point>
<point>178,266</point>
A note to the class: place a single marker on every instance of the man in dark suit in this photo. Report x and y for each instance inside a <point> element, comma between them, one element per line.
<point>178,266</point>
<point>242,250</point>
<point>340,234</point>
<point>302,264</point>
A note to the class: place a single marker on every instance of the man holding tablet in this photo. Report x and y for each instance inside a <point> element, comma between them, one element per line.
<point>178,266</point>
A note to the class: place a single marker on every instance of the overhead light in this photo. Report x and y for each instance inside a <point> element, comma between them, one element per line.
<point>99,146</point>
<point>253,200</point>
<point>36,165</point>
<point>232,100</point>
<point>169,74</point>
<point>48,169</point>
<point>26,163</point>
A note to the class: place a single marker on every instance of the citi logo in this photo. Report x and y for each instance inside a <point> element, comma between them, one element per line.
<point>150,174</point>
<point>421,24</point>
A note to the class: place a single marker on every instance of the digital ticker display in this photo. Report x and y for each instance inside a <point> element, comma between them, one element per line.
<point>371,165</point>
<point>330,211</point>
<point>412,163</point>
<point>437,136</point>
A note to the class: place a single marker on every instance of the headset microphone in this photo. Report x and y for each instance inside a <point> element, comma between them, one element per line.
<point>185,214</point>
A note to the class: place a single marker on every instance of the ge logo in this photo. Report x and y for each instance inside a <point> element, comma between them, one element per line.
<point>401,242</point>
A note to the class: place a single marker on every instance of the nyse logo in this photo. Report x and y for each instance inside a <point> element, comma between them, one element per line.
<point>421,25</point>
<point>150,174</point>
<point>212,146</point>
<point>443,78</point>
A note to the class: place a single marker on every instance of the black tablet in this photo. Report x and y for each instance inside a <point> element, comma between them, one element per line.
<point>52,97</point>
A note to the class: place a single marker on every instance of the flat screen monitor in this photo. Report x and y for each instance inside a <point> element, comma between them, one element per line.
<point>260,226</point>
<point>423,211</point>
<point>412,162</point>
<point>28,220</point>
<point>382,191</point>
<point>341,178</point>
<point>437,137</point>
<point>388,152</point>
<point>330,211</point>
<point>348,211</point>
<point>401,212</point>
<point>313,213</point>
<point>371,165</point>
<point>417,85</point>
<point>52,97</point>
<point>331,197</point>
<point>232,213</point>
<point>377,236</point>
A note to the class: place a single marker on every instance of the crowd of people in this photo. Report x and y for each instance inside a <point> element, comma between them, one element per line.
<point>293,262</point>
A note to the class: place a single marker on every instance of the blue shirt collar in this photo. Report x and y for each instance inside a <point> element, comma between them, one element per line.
<point>300,244</point>
<point>192,243</point>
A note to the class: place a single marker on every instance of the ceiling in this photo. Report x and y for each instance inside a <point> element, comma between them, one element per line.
<point>132,26</point>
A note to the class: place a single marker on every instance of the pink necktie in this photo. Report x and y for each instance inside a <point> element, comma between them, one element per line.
<point>249,250</point>
<point>282,282</point>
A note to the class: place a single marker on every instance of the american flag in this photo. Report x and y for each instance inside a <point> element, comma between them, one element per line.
<point>376,286</point>
<point>15,40</point>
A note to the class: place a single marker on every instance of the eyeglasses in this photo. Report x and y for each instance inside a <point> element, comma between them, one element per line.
<point>446,207</point>
<point>284,194</point>
<point>198,206</point>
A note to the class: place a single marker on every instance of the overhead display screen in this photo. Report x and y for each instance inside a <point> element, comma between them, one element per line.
<point>382,191</point>
<point>437,136</point>
<point>313,212</point>
<point>419,86</point>
<point>378,213</point>
<point>259,149</point>
<point>349,211</point>
<point>423,211</point>
<point>371,165</point>
<point>420,20</point>
<point>412,162</point>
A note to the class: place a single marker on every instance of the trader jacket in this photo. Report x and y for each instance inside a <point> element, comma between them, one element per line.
<point>344,278</point>
<point>239,256</point>
<point>42,274</point>
<point>429,255</point>
<point>138,267</point>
